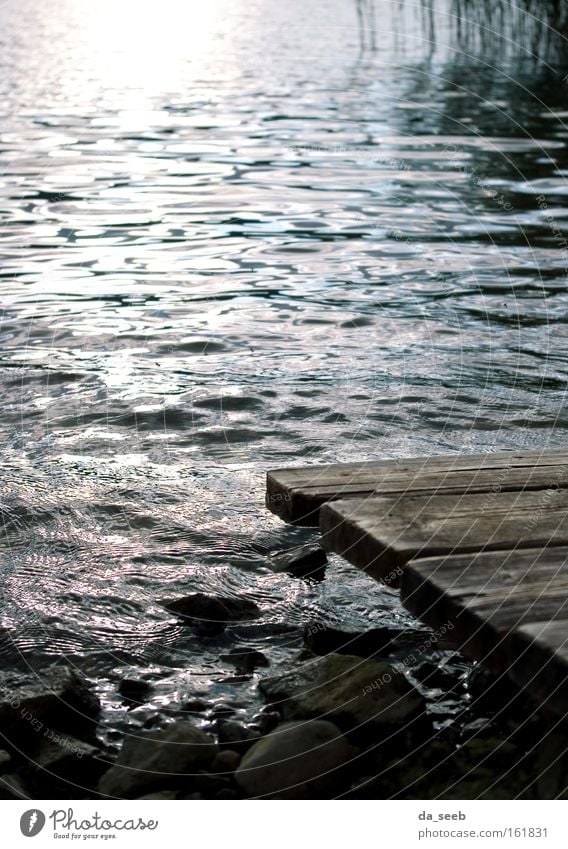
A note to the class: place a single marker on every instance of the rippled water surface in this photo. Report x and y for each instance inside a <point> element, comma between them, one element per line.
<point>232,241</point>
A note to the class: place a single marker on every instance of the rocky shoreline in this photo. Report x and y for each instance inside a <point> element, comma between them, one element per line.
<point>346,718</point>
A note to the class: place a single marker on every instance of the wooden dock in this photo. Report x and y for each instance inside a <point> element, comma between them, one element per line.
<point>479,541</point>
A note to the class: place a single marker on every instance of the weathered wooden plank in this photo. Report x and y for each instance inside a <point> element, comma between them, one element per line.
<point>380,535</point>
<point>538,661</point>
<point>487,597</point>
<point>296,494</point>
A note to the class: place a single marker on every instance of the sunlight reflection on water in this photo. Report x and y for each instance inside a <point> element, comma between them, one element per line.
<point>231,242</point>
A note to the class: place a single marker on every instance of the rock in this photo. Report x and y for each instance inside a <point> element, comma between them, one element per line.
<point>245,659</point>
<point>492,693</point>
<point>552,769</point>
<point>346,690</point>
<point>56,696</point>
<point>163,795</point>
<point>195,706</point>
<point>297,760</point>
<point>55,749</point>
<point>153,721</point>
<point>440,677</point>
<point>484,767</point>
<point>233,735</point>
<point>12,786</point>
<point>5,760</point>
<point>209,785</point>
<point>63,767</point>
<point>226,793</point>
<point>221,712</point>
<point>267,720</point>
<point>209,614</point>
<point>226,761</point>
<point>322,639</point>
<point>301,561</point>
<point>134,691</point>
<point>158,759</point>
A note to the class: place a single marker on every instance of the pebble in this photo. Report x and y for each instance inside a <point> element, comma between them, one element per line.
<point>233,735</point>
<point>227,760</point>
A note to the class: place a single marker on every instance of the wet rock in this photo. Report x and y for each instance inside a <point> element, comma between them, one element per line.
<point>56,696</point>
<point>322,639</point>
<point>153,721</point>
<point>233,735</point>
<point>210,614</point>
<point>552,768</point>
<point>134,691</point>
<point>235,679</point>
<point>492,693</point>
<point>301,561</point>
<point>440,677</point>
<point>347,690</point>
<point>297,760</point>
<point>162,795</point>
<point>64,767</point>
<point>221,712</point>
<point>57,749</point>
<point>226,793</point>
<point>267,720</point>
<point>12,786</point>
<point>210,785</point>
<point>245,659</point>
<point>156,760</point>
<point>227,760</point>
<point>484,767</point>
<point>195,706</point>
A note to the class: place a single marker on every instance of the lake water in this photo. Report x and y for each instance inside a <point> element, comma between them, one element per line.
<point>233,241</point>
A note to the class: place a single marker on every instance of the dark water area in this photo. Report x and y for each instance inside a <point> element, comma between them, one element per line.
<point>233,241</point>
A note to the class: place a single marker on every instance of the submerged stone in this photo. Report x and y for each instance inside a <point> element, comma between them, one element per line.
<point>321,638</point>
<point>245,659</point>
<point>211,613</point>
<point>301,561</point>
<point>134,691</point>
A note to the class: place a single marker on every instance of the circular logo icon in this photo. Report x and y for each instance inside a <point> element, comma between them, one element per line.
<point>32,822</point>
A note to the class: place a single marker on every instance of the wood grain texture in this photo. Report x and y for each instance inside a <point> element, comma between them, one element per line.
<point>487,597</point>
<point>478,545</point>
<point>297,494</point>
<point>380,535</point>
